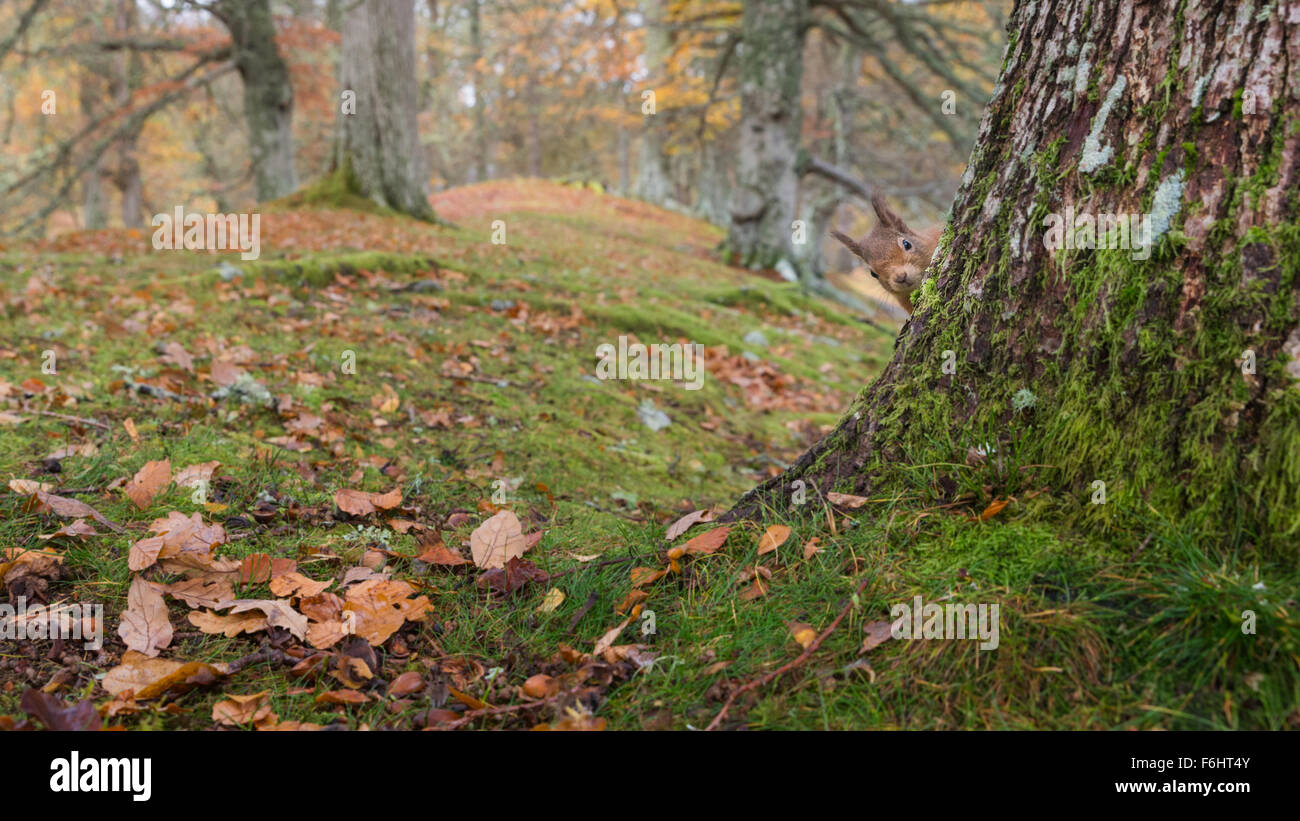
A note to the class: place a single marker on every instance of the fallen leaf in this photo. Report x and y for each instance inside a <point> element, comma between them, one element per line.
<point>145,626</point>
<point>515,576</point>
<point>148,480</point>
<point>683,524</point>
<point>498,540</point>
<point>362,503</point>
<point>811,547</point>
<point>773,538</point>
<point>238,710</point>
<point>803,633</point>
<point>878,632</point>
<point>708,541</point>
<point>56,715</point>
<point>541,686</point>
<point>71,509</point>
<point>296,584</point>
<point>553,599</point>
<point>406,684</point>
<point>278,613</point>
<point>342,697</point>
<point>151,677</point>
<point>207,590</point>
<point>194,474</point>
<point>227,625</point>
<point>994,508</point>
<point>846,500</point>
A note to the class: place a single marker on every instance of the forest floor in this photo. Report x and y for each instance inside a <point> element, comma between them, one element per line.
<point>279,479</point>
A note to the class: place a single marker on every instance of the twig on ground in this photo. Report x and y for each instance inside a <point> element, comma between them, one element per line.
<point>69,418</point>
<point>787,667</point>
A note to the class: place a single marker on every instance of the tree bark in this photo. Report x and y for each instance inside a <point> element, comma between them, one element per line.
<point>480,169</point>
<point>767,184</point>
<point>379,146</point>
<point>1173,379</point>
<point>652,180</point>
<point>126,80</point>
<point>268,95</point>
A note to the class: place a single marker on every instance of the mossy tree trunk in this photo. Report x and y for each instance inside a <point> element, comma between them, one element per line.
<point>379,146</point>
<point>268,94</point>
<point>767,183</point>
<point>1172,379</point>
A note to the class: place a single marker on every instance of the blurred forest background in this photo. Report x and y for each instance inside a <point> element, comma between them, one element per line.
<point>114,110</point>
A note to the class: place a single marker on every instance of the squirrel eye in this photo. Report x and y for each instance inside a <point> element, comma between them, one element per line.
<point>907,246</point>
<point>873,275</point>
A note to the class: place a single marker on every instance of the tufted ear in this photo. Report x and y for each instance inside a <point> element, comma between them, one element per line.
<point>888,218</point>
<point>848,243</point>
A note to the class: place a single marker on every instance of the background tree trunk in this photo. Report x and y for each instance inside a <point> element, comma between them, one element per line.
<point>125,81</point>
<point>268,95</point>
<point>379,147</point>
<point>652,181</point>
<point>479,169</point>
<point>771,70</point>
<point>1094,366</point>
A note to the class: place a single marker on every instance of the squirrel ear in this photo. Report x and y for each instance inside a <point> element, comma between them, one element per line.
<point>887,218</point>
<point>848,242</point>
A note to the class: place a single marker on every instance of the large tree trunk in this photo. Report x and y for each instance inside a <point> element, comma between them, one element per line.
<point>94,213</point>
<point>268,94</point>
<point>379,146</point>
<point>652,181</point>
<point>127,78</point>
<point>1173,379</point>
<point>479,170</point>
<point>771,70</point>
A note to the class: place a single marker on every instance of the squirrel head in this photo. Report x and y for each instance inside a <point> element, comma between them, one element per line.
<point>895,254</point>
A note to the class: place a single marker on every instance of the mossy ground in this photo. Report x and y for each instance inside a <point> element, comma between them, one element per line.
<point>1133,625</point>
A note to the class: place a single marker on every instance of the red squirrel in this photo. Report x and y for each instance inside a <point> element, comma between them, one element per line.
<point>896,255</point>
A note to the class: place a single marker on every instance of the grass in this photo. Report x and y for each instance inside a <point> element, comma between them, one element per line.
<point>473,366</point>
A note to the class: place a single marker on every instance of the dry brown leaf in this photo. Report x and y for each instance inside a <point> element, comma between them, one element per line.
<point>683,524</point>
<point>641,576</point>
<point>708,541</point>
<point>278,613</point>
<point>811,547</point>
<point>238,710</point>
<point>342,697</point>
<point>296,584</point>
<point>994,508</point>
<point>151,677</point>
<point>846,500</point>
<point>71,509</point>
<point>773,538</point>
<point>148,480</point>
<point>362,503</point>
<point>74,529</point>
<point>27,487</point>
<point>145,626</point>
<point>194,474</point>
<point>878,632</point>
<point>207,590</point>
<point>498,540</point>
<point>607,641</point>
<point>228,626</point>
<point>381,607</point>
<point>436,552</point>
<point>803,633</point>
